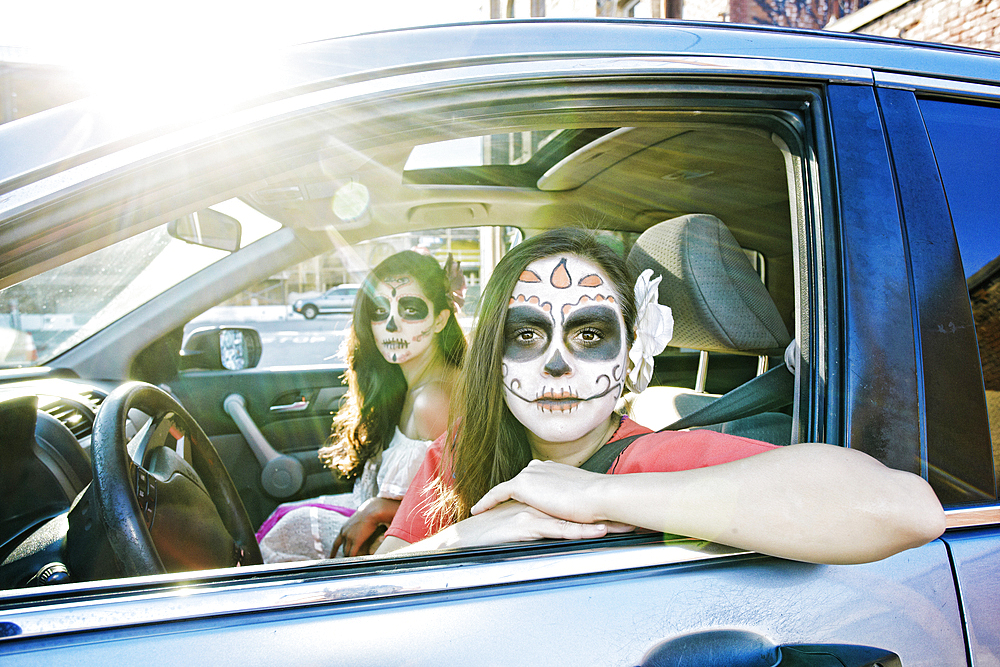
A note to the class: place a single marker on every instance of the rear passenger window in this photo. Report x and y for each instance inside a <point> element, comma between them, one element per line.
<point>967,147</point>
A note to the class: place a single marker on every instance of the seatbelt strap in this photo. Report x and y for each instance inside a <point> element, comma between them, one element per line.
<point>602,459</point>
<point>765,393</point>
<point>770,391</point>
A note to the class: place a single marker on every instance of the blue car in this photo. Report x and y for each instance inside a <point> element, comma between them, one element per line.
<point>855,175</point>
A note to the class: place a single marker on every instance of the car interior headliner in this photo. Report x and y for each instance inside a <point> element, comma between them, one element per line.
<point>623,179</point>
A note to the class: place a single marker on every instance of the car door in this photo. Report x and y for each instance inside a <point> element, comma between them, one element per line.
<point>643,599</point>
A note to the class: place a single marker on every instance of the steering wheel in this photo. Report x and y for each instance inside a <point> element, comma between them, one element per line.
<point>163,494</point>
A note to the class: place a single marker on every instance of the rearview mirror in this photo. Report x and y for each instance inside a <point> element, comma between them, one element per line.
<point>221,348</point>
<point>207,228</point>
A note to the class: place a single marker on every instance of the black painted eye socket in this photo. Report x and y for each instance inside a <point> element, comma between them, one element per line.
<point>413,308</point>
<point>594,333</point>
<point>380,309</point>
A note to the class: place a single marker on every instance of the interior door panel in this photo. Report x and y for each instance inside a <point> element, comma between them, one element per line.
<point>291,408</point>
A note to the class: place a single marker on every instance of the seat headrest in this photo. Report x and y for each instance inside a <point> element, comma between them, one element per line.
<point>718,301</point>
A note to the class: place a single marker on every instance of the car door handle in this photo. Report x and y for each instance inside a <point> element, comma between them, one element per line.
<point>726,648</point>
<point>836,655</point>
<point>297,406</point>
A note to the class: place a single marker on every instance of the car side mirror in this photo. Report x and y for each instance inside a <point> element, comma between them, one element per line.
<point>208,228</point>
<point>221,348</point>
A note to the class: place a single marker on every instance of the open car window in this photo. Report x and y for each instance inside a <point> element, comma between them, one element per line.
<point>355,194</point>
<point>827,178</point>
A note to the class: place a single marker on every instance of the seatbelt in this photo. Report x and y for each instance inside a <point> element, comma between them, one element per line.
<point>765,393</point>
<point>602,459</point>
<point>770,391</point>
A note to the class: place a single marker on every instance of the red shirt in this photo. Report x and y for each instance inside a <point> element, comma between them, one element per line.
<point>666,451</point>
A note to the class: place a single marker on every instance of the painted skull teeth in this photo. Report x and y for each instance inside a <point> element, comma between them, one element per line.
<point>561,400</point>
<point>557,395</point>
<point>396,344</point>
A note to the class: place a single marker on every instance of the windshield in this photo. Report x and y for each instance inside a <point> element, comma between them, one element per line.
<point>47,314</point>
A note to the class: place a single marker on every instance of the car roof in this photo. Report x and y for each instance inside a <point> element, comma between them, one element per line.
<point>35,146</point>
<point>78,158</point>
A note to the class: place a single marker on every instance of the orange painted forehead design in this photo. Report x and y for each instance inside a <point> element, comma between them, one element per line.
<point>561,278</point>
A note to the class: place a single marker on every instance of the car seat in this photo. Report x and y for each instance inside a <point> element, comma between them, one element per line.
<point>719,304</point>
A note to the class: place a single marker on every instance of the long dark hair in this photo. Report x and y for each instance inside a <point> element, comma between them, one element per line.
<point>376,389</point>
<point>490,446</point>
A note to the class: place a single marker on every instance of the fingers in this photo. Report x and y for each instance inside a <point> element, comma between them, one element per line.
<point>508,491</point>
<point>493,497</point>
<point>552,487</point>
<point>615,527</point>
<point>531,524</point>
<point>568,530</point>
<point>352,541</point>
<point>356,537</point>
<point>349,547</point>
<point>336,544</point>
<point>345,539</point>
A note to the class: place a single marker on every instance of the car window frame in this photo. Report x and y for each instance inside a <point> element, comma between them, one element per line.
<point>812,177</point>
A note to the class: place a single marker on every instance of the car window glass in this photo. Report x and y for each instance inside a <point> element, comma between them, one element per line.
<point>966,146</point>
<point>47,314</point>
<point>303,314</point>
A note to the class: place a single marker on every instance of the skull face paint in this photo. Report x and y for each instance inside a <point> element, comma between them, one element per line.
<point>402,319</point>
<point>564,348</point>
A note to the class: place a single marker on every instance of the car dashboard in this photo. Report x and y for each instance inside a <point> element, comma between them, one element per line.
<point>45,465</point>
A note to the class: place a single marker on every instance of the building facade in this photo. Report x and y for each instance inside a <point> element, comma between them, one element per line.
<point>974,23</point>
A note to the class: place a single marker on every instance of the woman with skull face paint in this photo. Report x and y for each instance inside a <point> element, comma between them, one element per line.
<point>404,350</point>
<point>551,354</point>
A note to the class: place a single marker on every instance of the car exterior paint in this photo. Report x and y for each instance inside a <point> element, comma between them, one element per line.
<point>875,379</point>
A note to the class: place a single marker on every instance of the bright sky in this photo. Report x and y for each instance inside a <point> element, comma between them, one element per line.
<point>100,27</point>
<point>139,43</point>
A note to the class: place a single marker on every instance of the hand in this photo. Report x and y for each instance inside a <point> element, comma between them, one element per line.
<point>556,489</point>
<point>513,521</point>
<point>359,535</point>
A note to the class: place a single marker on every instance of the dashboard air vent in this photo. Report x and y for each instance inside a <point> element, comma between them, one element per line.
<point>79,422</point>
<point>95,397</point>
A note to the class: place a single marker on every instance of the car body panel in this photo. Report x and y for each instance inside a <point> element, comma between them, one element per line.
<point>950,367</point>
<point>315,393</point>
<point>617,615</point>
<point>864,303</point>
<point>975,553</point>
<point>877,347</point>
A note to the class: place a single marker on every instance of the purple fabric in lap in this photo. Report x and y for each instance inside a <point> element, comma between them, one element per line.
<point>282,511</point>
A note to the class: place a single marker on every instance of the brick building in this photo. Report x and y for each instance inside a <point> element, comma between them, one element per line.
<point>974,23</point>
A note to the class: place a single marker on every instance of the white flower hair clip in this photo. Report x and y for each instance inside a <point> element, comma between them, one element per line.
<point>654,327</point>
